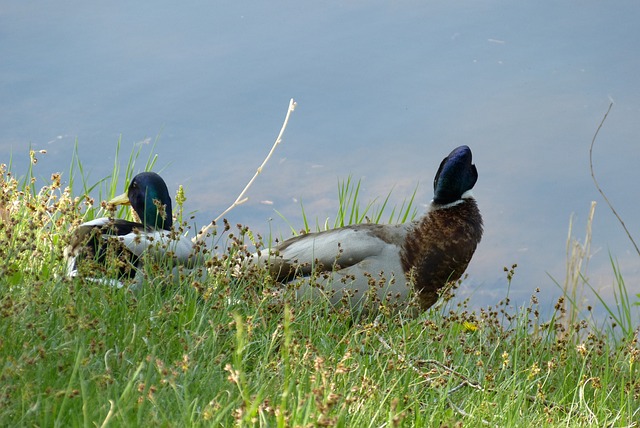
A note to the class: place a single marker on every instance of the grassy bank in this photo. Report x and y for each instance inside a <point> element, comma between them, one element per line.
<point>220,353</point>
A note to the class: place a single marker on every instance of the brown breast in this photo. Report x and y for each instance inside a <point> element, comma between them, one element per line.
<point>440,247</point>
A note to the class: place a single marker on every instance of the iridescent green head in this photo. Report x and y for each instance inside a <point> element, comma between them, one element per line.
<point>149,197</point>
<point>455,176</point>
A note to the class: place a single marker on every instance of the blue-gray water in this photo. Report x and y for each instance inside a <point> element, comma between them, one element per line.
<point>384,89</point>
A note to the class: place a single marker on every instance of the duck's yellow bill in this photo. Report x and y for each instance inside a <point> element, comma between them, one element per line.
<point>120,200</point>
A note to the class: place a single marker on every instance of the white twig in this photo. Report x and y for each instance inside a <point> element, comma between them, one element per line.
<point>241,199</point>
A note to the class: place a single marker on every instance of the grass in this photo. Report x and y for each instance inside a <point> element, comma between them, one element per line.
<point>218,352</point>
<point>350,211</point>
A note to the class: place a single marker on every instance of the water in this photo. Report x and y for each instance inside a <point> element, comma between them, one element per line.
<point>384,89</point>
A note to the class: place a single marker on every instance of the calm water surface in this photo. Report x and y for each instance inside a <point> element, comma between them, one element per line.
<point>384,89</point>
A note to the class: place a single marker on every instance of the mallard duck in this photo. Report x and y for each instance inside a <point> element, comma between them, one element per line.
<point>149,197</point>
<point>386,262</point>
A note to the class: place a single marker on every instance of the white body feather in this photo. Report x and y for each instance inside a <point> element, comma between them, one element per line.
<point>160,244</point>
<point>352,257</point>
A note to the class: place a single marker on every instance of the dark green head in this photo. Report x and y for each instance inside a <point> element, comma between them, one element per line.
<point>149,197</point>
<point>455,176</point>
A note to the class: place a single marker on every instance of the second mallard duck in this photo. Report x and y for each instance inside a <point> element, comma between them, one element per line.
<point>378,262</point>
<point>129,240</point>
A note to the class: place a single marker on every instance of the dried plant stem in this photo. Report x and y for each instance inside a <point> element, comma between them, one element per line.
<point>593,140</point>
<point>241,199</point>
<point>578,255</point>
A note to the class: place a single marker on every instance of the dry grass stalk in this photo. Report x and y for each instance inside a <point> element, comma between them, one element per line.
<point>578,255</point>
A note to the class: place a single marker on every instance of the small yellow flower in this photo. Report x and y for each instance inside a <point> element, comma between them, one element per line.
<point>184,364</point>
<point>534,371</point>
<point>180,196</point>
<point>634,355</point>
<point>505,359</point>
<point>582,349</point>
<point>469,326</point>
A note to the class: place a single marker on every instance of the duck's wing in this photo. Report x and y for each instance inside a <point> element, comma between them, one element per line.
<point>333,250</point>
<point>89,242</point>
<point>357,263</point>
<point>161,245</point>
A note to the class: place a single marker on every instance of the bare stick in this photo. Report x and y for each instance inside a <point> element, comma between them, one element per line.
<point>241,199</point>
<point>593,140</point>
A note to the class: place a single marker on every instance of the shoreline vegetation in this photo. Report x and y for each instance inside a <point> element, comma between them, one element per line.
<point>218,352</point>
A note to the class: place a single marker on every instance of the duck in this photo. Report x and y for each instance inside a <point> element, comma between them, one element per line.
<point>390,264</point>
<point>152,233</point>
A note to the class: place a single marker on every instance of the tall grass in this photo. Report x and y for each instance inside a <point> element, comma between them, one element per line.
<point>573,307</point>
<point>222,351</point>
<point>350,209</point>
